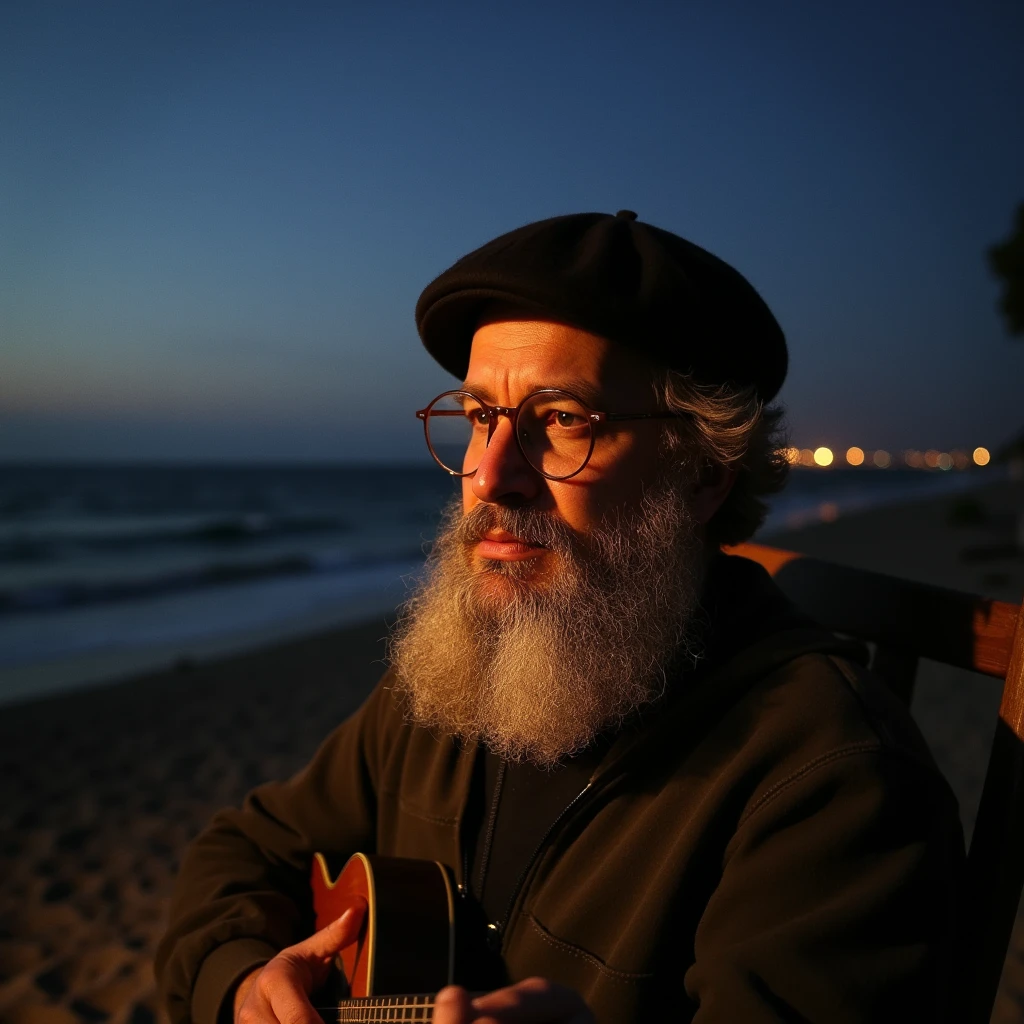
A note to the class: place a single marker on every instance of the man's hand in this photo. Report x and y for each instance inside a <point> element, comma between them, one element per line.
<point>533,1001</point>
<point>279,990</point>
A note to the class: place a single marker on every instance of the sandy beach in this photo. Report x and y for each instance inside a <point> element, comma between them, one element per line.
<point>102,788</point>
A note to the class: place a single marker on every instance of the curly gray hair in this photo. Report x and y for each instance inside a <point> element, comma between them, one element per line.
<point>734,429</point>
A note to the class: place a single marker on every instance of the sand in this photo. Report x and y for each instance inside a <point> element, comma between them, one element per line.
<point>101,789</point>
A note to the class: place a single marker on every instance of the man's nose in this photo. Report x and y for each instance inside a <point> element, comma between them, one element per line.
<point>504,476</point>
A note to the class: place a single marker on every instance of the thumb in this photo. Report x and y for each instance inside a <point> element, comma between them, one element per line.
<point>341,932</point>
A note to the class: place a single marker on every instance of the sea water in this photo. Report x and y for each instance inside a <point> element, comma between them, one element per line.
<point>109,570</point>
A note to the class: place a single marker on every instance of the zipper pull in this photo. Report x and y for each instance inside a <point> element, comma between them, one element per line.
<point>462,885</point>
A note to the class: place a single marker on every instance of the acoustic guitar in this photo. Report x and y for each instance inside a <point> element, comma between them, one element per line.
<point>406,948</point>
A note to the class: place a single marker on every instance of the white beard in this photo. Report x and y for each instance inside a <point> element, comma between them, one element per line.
<point>538,674</point>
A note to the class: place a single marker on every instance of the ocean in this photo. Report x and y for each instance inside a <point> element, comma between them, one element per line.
<point>110,570</point>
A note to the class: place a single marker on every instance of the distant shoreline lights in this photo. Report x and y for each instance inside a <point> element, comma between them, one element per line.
<point>911,458</point>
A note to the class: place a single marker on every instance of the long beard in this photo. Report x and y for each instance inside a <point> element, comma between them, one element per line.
<point>537,669</point>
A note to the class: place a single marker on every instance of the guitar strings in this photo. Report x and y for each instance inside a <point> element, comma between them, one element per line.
<point>412,1008</point>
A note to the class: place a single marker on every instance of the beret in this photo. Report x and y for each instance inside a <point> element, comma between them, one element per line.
<point>622,279</point>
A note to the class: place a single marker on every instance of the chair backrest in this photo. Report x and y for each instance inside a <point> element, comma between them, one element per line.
<point>907,621</point>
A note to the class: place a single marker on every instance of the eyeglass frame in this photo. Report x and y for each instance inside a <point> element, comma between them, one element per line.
<point>511,413</point>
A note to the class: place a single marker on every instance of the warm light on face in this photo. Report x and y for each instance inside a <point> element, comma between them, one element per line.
<point>882,459</point>
<point>511,359</point>
<point>982,456</point>
<point>855,456</point>
<point>823,456</point>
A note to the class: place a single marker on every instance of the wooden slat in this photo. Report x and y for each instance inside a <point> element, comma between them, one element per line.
<point>994,629</point>
<point>995,861</point>
<point>956,628</point>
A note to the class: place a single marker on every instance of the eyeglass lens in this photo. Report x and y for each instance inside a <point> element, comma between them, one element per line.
<point>553,429</point>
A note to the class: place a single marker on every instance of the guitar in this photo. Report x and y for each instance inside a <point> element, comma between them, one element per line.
<point>405,951</point>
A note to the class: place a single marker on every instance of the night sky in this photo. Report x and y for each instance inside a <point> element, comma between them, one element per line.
<point>215,218</point>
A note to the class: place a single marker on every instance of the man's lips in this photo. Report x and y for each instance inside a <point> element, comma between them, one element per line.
<point>504,546</point>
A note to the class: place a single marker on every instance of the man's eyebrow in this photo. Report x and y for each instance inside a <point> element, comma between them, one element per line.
<point>585,390</point>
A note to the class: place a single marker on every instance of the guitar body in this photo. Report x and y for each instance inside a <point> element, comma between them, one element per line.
<point>406,949</point>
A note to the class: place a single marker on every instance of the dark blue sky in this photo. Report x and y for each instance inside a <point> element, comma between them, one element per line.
<point>215,219</point>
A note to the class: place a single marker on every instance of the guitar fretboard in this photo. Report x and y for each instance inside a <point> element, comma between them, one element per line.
<point>384,1008</point>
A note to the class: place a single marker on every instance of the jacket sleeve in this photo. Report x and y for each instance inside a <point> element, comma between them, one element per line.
<point>242,893</point>
<point>837,899</point>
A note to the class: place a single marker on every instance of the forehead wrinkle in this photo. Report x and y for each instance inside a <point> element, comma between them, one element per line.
<point>510,359</point>
<point>587,391</point>
<point>512,368</point>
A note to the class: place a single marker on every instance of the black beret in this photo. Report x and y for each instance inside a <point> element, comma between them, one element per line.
<point>619,278</point>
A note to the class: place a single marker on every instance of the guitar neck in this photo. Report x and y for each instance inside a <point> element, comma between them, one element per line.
<point>385,1008</point>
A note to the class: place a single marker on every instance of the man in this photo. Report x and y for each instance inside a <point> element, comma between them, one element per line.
<point>672,796</point>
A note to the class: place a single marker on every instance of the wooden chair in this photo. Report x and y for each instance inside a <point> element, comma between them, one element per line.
<point>907,621</point>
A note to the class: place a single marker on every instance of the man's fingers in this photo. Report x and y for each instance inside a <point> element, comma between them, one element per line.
<point>336,936</point>
<point>533,1001</point>
<point>453,1006</point>
<point>280,990</point>
<point>290,1004</point>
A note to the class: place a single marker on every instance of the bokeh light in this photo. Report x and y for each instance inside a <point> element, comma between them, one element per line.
<point>823,457</point>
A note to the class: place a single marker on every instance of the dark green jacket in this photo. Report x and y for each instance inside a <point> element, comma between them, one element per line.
<point>773,843</point>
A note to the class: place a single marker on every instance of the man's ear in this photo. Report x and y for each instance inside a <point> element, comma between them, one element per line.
<point>710,491</point>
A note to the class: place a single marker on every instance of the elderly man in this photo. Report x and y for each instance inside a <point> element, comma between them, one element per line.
<point>671,795</point>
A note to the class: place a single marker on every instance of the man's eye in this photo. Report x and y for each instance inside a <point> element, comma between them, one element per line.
<point>565,420</point>
<point>478,417</point>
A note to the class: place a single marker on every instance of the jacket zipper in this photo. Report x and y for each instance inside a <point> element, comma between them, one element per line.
<point>501,925</point>
<point>485,853</point>
<point>464,886</point>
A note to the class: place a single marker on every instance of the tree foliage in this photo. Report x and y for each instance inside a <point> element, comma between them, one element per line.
<point>1006,259</point>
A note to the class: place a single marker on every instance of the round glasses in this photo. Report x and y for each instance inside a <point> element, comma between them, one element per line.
<point>554,430</point>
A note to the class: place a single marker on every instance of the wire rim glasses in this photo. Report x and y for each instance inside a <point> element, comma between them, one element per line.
<point>553,429</point>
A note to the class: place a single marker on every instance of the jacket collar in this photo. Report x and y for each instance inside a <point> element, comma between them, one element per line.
<point>749,629</point>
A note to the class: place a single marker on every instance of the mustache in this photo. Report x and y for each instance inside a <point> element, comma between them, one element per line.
<point>530,525</point>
